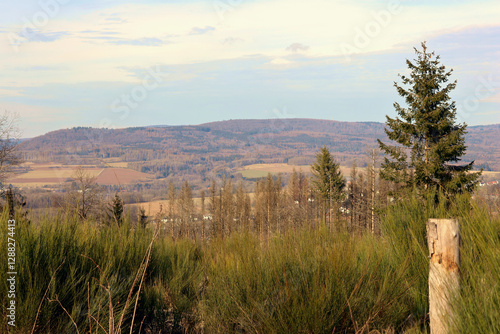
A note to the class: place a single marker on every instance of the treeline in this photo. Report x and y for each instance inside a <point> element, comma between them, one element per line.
<point>276,203</point>
<point>272,207</point>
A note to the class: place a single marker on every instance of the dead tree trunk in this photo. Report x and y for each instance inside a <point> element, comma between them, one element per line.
<point>10,203</point>
<point>372,179</point>
<point>443,238</point>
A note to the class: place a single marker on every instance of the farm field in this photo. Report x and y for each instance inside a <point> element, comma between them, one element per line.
<point>120,164</point>
<point>491,175</point>
<point>118,176</point>
<point>256,171</point>
<point>40,175</point>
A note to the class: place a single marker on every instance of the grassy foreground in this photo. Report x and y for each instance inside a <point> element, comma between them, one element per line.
<point>77,277</point>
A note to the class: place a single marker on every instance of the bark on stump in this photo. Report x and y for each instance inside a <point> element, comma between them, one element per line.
<point>443,238</point>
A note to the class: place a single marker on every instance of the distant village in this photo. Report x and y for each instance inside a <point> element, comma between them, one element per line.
<point>489,183</point>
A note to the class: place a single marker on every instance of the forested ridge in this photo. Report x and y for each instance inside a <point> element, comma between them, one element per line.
<point>232,143</point>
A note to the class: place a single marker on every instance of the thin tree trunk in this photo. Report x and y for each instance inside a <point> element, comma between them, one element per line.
<point>373,191</point>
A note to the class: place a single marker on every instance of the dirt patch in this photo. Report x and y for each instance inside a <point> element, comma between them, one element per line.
<point>117,176</point>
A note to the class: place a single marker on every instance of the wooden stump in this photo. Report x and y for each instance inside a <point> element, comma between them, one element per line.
<point>443,238</point>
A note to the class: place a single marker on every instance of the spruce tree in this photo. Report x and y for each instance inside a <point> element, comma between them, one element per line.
<point>142,217</point>
<point>117,209</point>
<point>426,129</point>
<point>327,178</point>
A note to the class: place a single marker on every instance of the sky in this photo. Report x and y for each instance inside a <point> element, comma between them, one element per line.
<point>115,64</point>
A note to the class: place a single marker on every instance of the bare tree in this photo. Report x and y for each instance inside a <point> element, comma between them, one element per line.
<point>85,194</point>
<point>297,192</point>
<point>186,208</point>
<point>202,213</point>
<point>242,208</point>
<point>172,198</point>
<point>9,140</point>
<point>228,206</point>
<point>215,205</point>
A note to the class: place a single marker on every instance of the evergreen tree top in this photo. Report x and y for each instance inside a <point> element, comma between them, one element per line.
<point>427,129</point>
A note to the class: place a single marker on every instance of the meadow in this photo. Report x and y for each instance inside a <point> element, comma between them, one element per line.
<point>77,277</point>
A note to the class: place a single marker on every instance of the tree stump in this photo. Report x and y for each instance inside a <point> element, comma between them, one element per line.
<point>443,238</point>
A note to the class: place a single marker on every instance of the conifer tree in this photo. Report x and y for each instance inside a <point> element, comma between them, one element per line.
<point>117,209</point>
<point>427,129</point>
<point>327,178</point>
<point>142,217</point>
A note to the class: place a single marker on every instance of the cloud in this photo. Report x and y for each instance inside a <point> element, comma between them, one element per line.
<point>114,18</point>
<point>201,31</point>
<point>145,41</point>
<point>40,68</point>
<point>99,32</point>
<point>33,35</point>
<point>297,47</point>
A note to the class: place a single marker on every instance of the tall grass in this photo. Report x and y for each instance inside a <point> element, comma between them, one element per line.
<point>77,249</point>
<point>478,304</point>
<point>308,281</point>
<point>303,281</point>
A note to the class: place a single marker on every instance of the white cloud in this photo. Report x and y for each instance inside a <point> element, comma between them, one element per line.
<point>201,31</point>
<point>260,27</point>
<point>98,45</point>
<point>297,47</point>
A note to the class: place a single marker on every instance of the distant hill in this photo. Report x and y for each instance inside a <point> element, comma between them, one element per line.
<point>217,148</point>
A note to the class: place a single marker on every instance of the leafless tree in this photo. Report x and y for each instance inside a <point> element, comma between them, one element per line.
<point>84,195</point>
<point>9,140</point>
